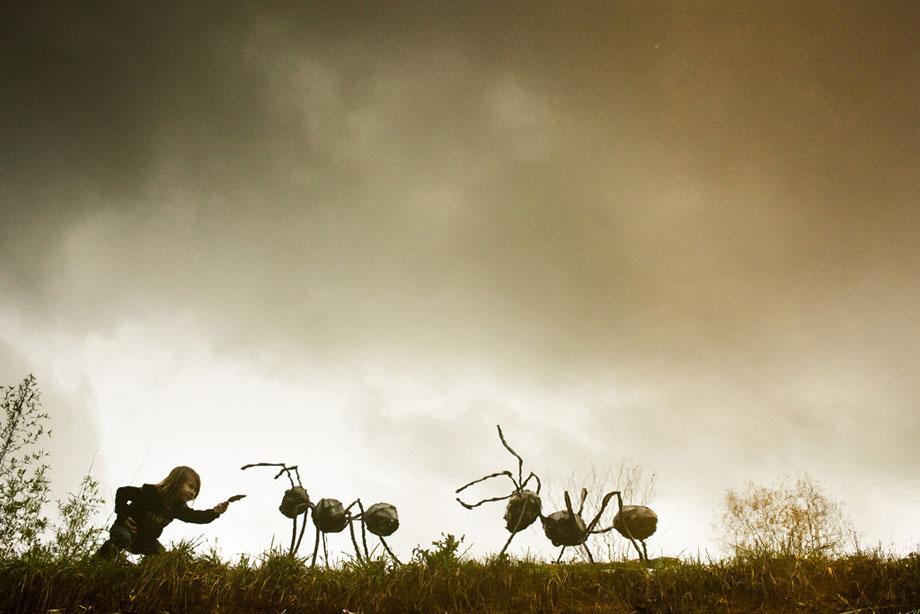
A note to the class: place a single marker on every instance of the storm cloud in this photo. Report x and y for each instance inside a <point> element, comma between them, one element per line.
<point>683,233</point>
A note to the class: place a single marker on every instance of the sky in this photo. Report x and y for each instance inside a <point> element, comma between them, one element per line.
<point>351,237</point>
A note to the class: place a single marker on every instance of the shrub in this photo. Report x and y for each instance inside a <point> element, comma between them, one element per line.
<point>789,518</point>
<point>443,554</point>
<point>75,536</point>
<point>24,483</point>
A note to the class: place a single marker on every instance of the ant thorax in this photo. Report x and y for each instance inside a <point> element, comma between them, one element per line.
<point>565,528</point>
<point>329,516</point>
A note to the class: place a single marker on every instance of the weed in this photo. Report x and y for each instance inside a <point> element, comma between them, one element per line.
<point>443,554</point>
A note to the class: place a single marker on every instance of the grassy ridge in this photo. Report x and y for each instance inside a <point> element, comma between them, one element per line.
<point>180,581</point>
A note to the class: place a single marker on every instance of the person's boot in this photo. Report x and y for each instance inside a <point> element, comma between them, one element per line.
<point>108,551</point>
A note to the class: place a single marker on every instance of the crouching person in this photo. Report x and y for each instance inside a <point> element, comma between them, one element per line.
<point>141,513</point>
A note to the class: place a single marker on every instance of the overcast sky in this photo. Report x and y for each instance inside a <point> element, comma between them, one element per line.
<point>356,238</point>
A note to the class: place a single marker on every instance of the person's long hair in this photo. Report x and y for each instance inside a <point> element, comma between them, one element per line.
<point>172,483</point>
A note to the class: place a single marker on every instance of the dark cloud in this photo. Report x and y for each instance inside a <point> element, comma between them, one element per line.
<point>709,207</point>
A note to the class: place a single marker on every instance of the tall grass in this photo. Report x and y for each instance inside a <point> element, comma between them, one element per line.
<point>182,581</point>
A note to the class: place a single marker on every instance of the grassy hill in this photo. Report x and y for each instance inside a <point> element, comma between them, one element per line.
<point>181,581</point>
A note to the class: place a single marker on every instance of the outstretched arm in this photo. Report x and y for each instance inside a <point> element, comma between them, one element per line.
<point>187,514</point>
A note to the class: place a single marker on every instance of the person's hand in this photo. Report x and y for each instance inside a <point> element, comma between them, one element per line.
<point>220,508</point>
<point>132,526</point>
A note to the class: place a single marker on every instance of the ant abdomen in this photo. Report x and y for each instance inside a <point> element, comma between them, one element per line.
<point>381,519</point>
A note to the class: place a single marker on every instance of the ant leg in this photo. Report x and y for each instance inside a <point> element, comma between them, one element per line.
<point>470,506</point>
<point>581,504</point>
<point>390,552</point>
<point>636,546</point>
<point>516,528</point>
<point>600,513</point>
<point>293,535</point>
<point>629,535</point>
<point>588,552</point>
<point>315,548</point>
<point>516,455</point>
<point>561,552</point>
<point>363,531</point>
<point>507,543</point>
<point>568,504</point>
<point>534,476</point>
<point>351,530</point>
<point>644,549</point>
<point>325,552</point>
<point>303,529</point>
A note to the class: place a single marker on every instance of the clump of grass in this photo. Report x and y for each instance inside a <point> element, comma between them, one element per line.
<point>181,580</point>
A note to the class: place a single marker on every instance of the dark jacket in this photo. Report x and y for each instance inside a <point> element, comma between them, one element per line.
<point>150,512</point>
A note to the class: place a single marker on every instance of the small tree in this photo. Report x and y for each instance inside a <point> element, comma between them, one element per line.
<point>76,536</point>
<point>790,518</point>
<point>24,483</point>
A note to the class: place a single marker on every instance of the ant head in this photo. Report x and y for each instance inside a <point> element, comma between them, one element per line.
<point>523,508</point>
<point>295,502</point>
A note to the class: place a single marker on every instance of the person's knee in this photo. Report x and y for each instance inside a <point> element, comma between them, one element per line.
<point>121,536</point>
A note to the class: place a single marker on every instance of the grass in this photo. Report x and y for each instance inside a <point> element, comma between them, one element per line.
<point>182,581</point>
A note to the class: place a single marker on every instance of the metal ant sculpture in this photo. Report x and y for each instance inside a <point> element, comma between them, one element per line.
<point>567,528</point>
<point>294,503</point>
<point>524,506</point>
